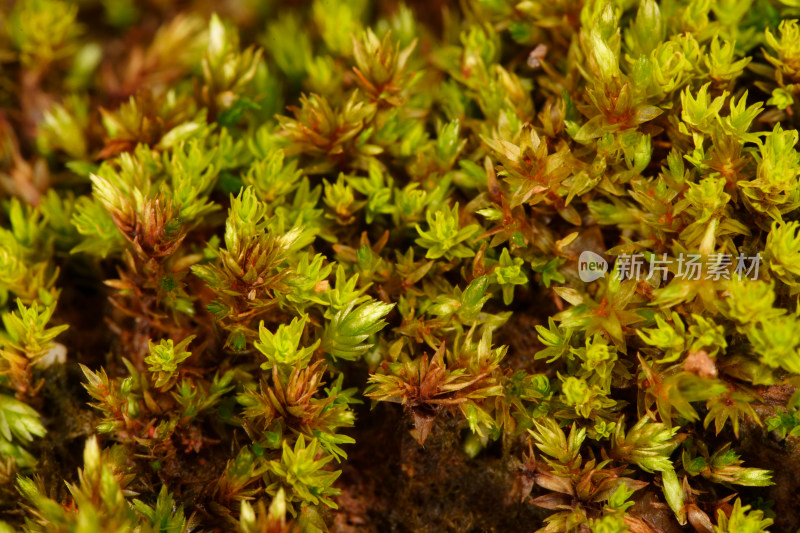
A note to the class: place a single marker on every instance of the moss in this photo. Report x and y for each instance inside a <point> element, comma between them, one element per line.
<point>337,265</point>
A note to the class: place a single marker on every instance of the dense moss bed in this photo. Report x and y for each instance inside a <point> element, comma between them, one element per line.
<point>352,266</point>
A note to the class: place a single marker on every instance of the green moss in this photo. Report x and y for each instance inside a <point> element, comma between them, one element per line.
<point>341,264</point>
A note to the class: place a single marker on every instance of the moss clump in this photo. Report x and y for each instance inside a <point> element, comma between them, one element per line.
<point>350,266</point>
